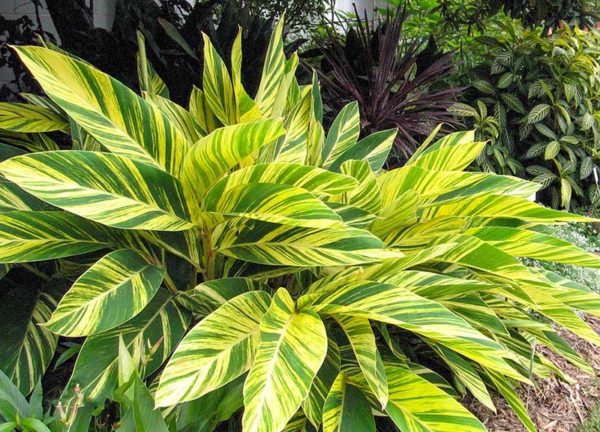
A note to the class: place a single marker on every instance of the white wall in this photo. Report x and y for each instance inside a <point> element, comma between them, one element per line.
<point>12,9</point>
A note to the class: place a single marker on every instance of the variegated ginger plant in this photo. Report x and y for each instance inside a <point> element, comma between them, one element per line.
<point>279,274</point>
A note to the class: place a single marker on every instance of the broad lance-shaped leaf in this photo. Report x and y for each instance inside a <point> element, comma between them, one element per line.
<point>347,409</point>
<point>398,306</point>
<point>96,367</point>
<point>276,203</point>
<point>109,111</point>
<point>27,236</point>
<point>218,152</point>
<point>292,348</point>
<point>510,395</point>
<point>113,290</point>
<point>103,187</point>
<point>246,109</point>
<point>454,152</point>
<point>523,243</point>
<point>342,135</point>
<point>149,80</point>
<point>27,346</point>
<point>321,385</point>
<point>272,73</point>
<point>27,118</point>
<point>217,350</point>
<point>494,206</point>
<point>265,243</point>
<point>212,294</point>
<point>216,82</point>
<point>374,149</point>
<point>364,345</point>
<point>315,180</point>
<point>417,405</point>
<point>181,118</point>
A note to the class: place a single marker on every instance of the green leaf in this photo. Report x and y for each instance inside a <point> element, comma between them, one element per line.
<point>417,405</point>
<point>217,85</point>
<point>217,350</point>
<point>106,188</point>
<point>113,290</point>
<point>538,113</point>
<point>114,115</point>
<point>292,348</point>
<point>347,409</point>
<point>552,150</point>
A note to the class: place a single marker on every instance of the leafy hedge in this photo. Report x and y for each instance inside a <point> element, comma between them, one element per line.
<point>537,99</point>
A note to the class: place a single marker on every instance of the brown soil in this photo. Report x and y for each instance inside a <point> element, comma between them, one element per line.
<point>554,406</point>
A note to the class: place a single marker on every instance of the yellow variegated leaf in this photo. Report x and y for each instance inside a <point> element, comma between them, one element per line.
<point>347,409</point>
<point>217,350</point>
<point>454,152</point>
<point>115,116</point>
<point>218,152</point>
<point>149,80</point>
<point>114,290</point>
<point>292,348</point>
<point>416,405</point>
<point>266,243</point>
<point>201,112</point>
<point>106,188</point>
<point>273,72</point>
<point>178,116</point>
<point>217,86</point>
<point>523,243</point>
<point>361,337</point>
<point>342,135</point>
<point>245,106</point>
<point>19,117</point>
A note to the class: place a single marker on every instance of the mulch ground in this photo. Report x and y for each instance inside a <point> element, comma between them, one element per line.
<point>554,406</point>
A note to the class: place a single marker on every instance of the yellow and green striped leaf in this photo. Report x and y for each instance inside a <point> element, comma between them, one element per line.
<point>162,324</point>
<point>114,115</point>
<point>27,118</point>
<point>217,85</point>
<point>366,195</point>
<point>321,385</point>
<point>361,337</point>
<point>265,243</point>
<point>398,306</point>
<point>347,409</point>
<point>276,203</point>
<point>416,405</point>
<point>217,153</point>
<point>530,244</point>
<point>374,149</point>
<point>292,348</point>
<point>105,188</point>
<point>454,152</point>
<point>114,290</point>
<point>217,350</point>
<point>246,109</point>
<point>201,112</point>
<point>149,80</point>
<point>179,117</point>
<point>272,73</point>
<point>27,346</point>
<point>342,135</point>
<point>510,395</point>
<point>42,235</point>
<point>315,180</point>
<point>210,295</point>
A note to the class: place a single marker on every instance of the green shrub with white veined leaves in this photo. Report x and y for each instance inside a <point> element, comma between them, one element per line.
<point>251,268</point>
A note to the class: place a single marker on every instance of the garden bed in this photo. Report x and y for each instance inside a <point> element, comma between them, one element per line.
<point>554,406</point>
